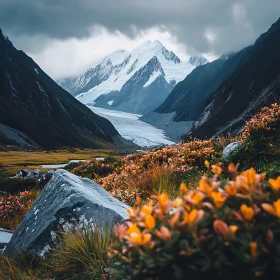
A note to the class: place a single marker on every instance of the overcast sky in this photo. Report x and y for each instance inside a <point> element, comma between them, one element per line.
<point>65,37</point>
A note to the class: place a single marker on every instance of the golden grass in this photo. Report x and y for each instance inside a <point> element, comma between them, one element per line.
<point>12,161</point>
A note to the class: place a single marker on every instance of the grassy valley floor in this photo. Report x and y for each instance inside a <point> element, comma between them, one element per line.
<point>13,161</point>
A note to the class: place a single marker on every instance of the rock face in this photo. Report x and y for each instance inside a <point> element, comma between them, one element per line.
<point>230,148</point>
<point>65,202</point>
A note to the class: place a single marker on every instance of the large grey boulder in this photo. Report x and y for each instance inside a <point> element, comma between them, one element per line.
<point>230,148</point>
<point>66,201</point>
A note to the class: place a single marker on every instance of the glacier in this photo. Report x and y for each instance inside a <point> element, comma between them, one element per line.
<point>132,128</point>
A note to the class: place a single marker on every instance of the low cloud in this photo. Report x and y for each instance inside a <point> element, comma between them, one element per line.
<point>214,27</point>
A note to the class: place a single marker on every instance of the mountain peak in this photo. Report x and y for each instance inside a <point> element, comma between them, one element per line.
<point>197,60</point>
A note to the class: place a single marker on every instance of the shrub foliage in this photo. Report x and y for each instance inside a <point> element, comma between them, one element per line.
<point>223,229</point>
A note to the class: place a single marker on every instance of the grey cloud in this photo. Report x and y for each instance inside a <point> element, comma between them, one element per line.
<point>235,24</point>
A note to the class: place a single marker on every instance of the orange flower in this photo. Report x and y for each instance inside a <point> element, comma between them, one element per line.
<point>147,209</point>
<point>247,212</point>
<point>253,249</point>
<point>140,239</point>
<point>272,209</point>
<point>232,168</point>
<point>241,183</point>
<point>219,199</point>
<point>190,217</point>
<point>275,183</point>
<point>216,169</point>
<point>131,211</point>
<point>231,189</point>
<point>222,229</point>
<point>250,174</point>
<point>207,163</point>
<point>133,228</point>
<point>233,228</point>
<point>183,188</point>
<point>204,186</point>
<point>195,197</point>
<point>150,222</point>
<point>162,199</point>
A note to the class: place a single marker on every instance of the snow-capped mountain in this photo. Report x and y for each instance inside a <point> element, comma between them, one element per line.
<point>136,81</point>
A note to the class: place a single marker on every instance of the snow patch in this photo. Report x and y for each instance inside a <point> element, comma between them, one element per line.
<point>152,78</point>
<point>36,70</point>
<point>110,102</point>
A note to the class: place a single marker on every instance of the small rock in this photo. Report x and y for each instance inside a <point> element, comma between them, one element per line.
<point>57,208</point>
<point>35,174</point>
<point>230,148</point>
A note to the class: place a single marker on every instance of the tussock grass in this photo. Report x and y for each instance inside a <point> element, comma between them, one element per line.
<point>22,267</point>
<point>82,254</point>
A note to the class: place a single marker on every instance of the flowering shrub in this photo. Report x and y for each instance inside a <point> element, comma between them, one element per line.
<point>265,120</point>
<point>177,160</point>
<point>14,207</point>
<point>223,229</point>
<point>96,169</point>
<point>261,142</point>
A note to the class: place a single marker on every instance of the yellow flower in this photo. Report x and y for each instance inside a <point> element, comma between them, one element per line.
<point>275,183</point>
<point>183,188</point>
<point>190,217</point>
<point>233,229</point>
<point>150,222</point>
<point>253,249</point>
<point>231,189</point>
<point>216,169</point>
<point>272,209</point>
<point>247,212</point>
<point>218,198</point>
<point>162,199</point>
<point>204,186</point>
<point>207,163</point>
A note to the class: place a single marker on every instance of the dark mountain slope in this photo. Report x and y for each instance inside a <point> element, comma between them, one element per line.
<point>188,98</point>
<point>253,84</point>
<point>32,103</point>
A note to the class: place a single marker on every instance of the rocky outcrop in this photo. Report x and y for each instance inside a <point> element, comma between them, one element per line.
<point>67,201</point>
<point>35,174</point>
<point>230,148</point>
